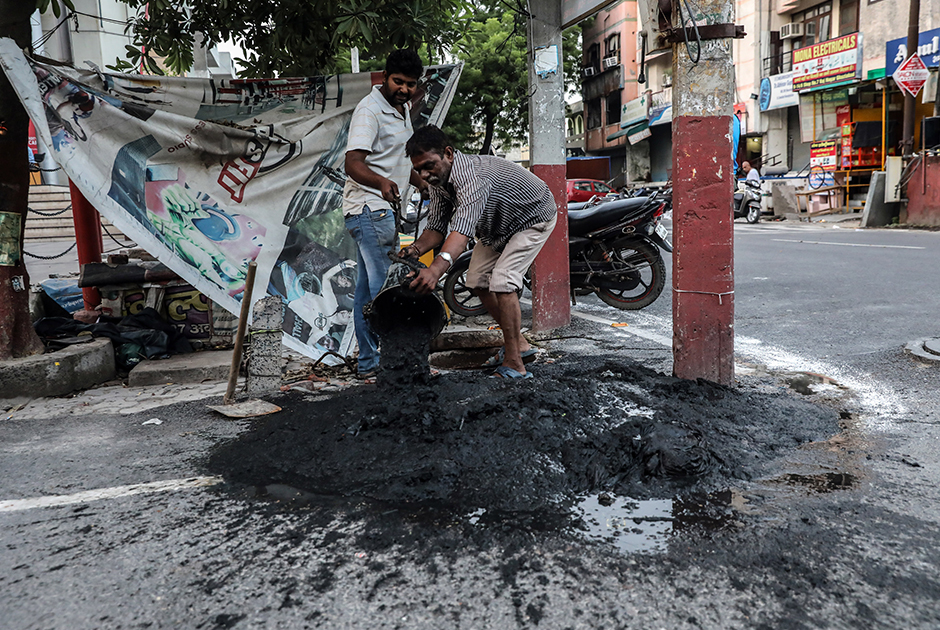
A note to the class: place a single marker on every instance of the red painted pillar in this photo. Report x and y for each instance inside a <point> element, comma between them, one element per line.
<point>551,302</point>
<point>703,239</point>
<point>551,280</point>
<point>702,177</point>
<point>87,238</point>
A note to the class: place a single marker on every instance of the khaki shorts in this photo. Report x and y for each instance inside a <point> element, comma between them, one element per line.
<point>501,272</point>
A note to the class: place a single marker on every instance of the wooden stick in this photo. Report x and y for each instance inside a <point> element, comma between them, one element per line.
<point>240,335</point>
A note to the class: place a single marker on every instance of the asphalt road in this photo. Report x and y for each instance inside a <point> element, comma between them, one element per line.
<point>840,532</point>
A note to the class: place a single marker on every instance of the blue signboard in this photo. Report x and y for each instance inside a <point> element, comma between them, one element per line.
<point>928,47</point>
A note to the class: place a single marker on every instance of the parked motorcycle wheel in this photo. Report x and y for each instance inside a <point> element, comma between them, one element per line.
<point>643,279</point>
<point>753,213</point>
<point>458,296</point>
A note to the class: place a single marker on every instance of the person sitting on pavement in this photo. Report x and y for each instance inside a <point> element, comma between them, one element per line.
<point>752,174</point>
<point>508,210</point>
<point>378,171</point>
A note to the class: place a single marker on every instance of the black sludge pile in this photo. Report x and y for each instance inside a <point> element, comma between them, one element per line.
<point>464,440</point>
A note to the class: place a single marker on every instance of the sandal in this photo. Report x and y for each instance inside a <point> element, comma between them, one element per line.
<point>529,354</point>
<point>507,372</point>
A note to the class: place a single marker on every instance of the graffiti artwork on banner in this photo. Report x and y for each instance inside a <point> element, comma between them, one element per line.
<point>187,310</point>
<point>208,175</point>
<point>827,64</point>
<point>824,153</point>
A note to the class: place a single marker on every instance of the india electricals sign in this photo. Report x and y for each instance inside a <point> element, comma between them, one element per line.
<point>827,64</point>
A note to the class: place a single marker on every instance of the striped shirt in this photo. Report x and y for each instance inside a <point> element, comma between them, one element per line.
<point>490,199</point>
<point>378,128</point>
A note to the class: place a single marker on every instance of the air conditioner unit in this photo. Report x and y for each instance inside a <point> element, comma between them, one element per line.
<point>590,71</point>
<point>791,30</point>
<point>610,62</point>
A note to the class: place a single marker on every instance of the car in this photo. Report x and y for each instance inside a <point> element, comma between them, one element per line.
<point>584,189</point>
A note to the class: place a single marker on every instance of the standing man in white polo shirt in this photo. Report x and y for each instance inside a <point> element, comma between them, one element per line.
<point>378,171</point>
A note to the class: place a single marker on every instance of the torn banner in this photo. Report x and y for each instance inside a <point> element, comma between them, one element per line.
<point>210,174</point>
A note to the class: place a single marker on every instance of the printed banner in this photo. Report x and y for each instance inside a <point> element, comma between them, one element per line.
<point>209,174</point>
<point>824,153</point>
<point>827,64</point>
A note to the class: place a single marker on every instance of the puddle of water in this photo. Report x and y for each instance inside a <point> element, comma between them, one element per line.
<point>629,525</point>
<point>647,526</point>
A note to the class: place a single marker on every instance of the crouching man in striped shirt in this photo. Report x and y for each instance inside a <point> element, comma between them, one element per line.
<point>508,210</point>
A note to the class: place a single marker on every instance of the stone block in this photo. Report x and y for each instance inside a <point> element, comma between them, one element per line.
<point>58,373</point>
<point>784,199</point>
<point>264,363</point>
<point>194,367</point>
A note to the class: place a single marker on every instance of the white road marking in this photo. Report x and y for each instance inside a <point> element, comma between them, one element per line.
<point>783,240</point>
<point>879,400</point>
<point>15,505</point>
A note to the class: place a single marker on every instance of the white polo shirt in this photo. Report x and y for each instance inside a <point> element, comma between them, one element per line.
<point>378,128</point>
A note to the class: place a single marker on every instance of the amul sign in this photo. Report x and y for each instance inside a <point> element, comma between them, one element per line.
<point>827,64</point>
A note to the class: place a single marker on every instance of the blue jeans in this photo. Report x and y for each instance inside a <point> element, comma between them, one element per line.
<point>375,235</point>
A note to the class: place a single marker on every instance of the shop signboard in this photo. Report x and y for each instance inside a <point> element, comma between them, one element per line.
<point>911,75</point>
<point>928,49</point>
<point>824,153</point>
<point>638,133</point>
<point>828,64</point>
<point>776,92</point>
<point>661,115</point>
<point>633,112</point>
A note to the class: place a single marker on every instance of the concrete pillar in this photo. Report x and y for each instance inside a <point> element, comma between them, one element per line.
<point>703,271</point>
<point>264,362</point>
<point>551,302</point>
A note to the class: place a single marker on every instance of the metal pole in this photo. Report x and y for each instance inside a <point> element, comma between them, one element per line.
<point>703,262</point>
<point>551,283</point>
<point>907,143</point>
<point>87,239</point>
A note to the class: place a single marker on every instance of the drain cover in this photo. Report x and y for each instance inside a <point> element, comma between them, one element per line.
<point>927,349</point>
<point>932,346</point>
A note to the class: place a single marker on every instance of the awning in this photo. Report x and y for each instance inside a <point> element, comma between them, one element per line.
<point>617,134</point>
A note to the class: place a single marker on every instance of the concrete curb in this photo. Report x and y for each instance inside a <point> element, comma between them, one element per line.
<point>57,373</point>
<point>196,367</point>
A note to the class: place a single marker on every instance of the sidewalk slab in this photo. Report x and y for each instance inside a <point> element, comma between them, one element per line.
<point>57,373</point>
<point>195,367</point>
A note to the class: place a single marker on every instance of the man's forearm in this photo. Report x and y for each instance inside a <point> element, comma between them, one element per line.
<point>428,240</point>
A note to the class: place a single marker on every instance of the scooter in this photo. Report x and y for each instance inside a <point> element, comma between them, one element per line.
<point>747,201</point>
<point>613,251</point>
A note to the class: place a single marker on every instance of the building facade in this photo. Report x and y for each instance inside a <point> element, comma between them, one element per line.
<point>811,78</point>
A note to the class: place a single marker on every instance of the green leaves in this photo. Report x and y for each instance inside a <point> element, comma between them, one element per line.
<point>42,5</point>
<point>295,37</point>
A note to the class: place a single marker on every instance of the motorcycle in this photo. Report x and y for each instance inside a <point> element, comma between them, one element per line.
<point>747,201</point>
<point>613,251</point>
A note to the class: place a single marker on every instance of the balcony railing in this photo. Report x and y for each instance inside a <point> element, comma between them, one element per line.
<point>777,64</point>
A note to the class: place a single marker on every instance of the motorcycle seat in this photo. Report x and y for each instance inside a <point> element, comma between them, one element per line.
<point>581,222</point>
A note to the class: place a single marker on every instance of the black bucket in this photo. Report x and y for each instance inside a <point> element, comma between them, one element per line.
<point>398,306</point>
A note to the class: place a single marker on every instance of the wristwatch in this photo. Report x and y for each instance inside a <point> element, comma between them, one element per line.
<point>447,257</point>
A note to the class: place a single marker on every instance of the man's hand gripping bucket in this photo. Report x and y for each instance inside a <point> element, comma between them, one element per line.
<point>397,305</point>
